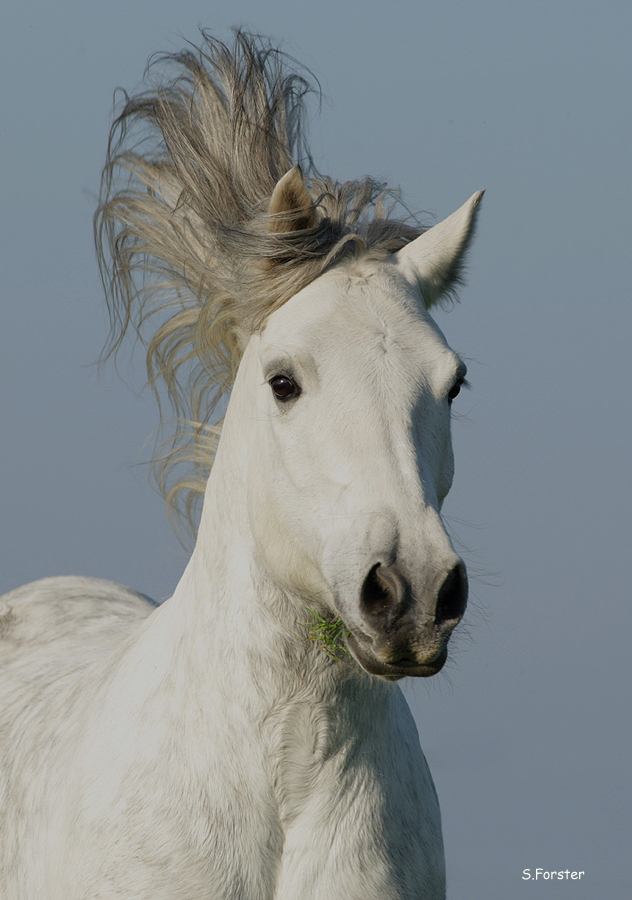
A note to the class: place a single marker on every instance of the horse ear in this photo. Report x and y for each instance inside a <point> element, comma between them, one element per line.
<point>291,207</point>
<point>433,261</point>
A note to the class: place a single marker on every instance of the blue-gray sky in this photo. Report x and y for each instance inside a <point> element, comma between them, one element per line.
<point>526,733</point>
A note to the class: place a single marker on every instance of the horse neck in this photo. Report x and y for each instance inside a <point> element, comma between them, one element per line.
<point>227,611</point>
<point>241,634</point>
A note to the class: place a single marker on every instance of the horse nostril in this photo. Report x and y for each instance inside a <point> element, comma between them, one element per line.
<point>452,597</point>
<point>380,591</point>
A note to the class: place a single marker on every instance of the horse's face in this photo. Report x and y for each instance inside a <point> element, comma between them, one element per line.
<point>351,460</point>
<point>346,394</point>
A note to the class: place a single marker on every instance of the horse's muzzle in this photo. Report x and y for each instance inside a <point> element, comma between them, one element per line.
<point>405,634</point>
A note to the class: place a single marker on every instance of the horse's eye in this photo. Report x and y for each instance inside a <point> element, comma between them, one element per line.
<point>284,388</point>
<point>454,392</point>
<point>456,389</point>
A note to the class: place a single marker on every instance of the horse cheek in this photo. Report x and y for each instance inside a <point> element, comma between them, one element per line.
<point>279,547</point>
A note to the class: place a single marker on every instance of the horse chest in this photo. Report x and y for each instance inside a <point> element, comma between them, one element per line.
<point>276,812</point>
<point>357,806</point>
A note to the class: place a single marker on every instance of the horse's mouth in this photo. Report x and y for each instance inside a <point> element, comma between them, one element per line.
<point>414,665</point>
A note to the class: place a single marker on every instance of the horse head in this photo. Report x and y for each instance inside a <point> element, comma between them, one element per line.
<point>347,391</point>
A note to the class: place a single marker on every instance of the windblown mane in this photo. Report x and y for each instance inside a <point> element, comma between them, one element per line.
<point>183,230</point>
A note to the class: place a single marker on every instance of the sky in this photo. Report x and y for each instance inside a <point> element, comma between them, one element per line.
<point>527,731</point>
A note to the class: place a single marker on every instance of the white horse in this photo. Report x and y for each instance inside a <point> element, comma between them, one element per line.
<point>207,748</point>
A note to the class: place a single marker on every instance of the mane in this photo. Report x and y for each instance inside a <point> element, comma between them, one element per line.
<point>185,250</point>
